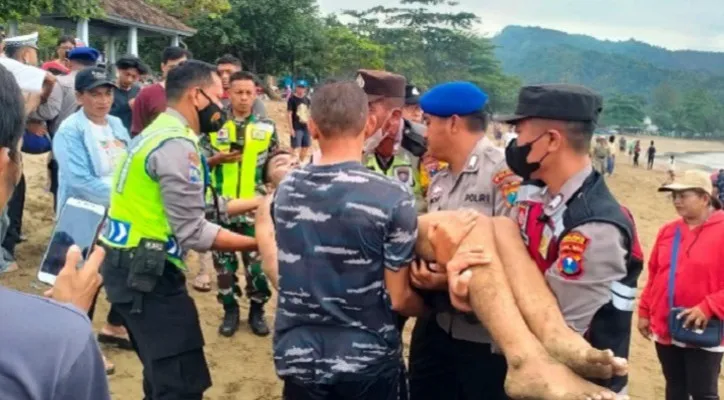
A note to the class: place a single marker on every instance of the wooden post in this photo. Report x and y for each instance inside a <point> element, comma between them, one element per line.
<point>112,54</point>
<point>133,41</point>
<point>13,28</point>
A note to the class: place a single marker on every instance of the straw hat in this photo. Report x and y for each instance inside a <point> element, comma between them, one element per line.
<point>692,179</point>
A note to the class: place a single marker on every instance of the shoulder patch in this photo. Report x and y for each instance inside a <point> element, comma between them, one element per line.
<point>570,254</point>
<point>502,175</point>
<point>509,191</point>
<point>195,170</point>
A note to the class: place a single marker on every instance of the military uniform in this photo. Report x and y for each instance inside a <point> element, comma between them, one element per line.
<point>156,211</point>
<point>257,137</point>
<point>451,354</point>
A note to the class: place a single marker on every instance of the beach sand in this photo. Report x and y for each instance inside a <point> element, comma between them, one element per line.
<point>242,368</point>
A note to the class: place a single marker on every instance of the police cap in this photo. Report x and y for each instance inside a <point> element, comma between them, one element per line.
<point>30,40</point>
<point>412,95</point>
<point>381,84</point>
<point>453,98</point>
<point>87,54</point>
<point>560,102</point>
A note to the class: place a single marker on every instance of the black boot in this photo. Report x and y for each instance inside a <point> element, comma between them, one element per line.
<point>230,324</point>
<point>256,319</point>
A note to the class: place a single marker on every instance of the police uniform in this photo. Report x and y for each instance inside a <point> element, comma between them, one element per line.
<point>583,241</point>
<point>242,180</point>
<point>451,354</point>
<point>157,210</point>
<point>410,141</point>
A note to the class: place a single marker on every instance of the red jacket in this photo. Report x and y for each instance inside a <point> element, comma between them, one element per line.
<point>699,273</point>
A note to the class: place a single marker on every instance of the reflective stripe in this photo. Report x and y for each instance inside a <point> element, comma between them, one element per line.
<point>117,233</point>
<point>623,290</point>
<point>173,248</point>
<point>622,303</point>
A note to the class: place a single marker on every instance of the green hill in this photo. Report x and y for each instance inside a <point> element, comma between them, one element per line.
<point>539,55</point>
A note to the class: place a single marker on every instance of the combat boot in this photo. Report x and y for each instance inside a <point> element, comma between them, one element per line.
<point>257,322</point>
<point>230,324</point>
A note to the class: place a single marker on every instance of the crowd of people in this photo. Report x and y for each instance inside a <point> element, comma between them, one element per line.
<point>517,262</point>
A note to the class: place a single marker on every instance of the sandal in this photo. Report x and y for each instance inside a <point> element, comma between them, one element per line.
<point>202,283</point>
<point>118,341</point>
<point>110,368</point>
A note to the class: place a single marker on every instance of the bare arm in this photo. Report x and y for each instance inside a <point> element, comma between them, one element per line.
<point>405,301</point>
<point>266,237</point>
<point>425,223</point>
<point>240,206</point>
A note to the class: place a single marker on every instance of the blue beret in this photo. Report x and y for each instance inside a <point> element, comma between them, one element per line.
<point>84,53</point>
<point>453,98</point>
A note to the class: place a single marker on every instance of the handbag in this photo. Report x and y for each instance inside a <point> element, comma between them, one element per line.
<point>711,335</point>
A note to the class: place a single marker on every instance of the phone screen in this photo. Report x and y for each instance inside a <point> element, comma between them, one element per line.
<point>76,226</point>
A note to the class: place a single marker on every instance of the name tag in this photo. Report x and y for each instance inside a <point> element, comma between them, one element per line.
<point>260,131</point>
<point>478,198</point>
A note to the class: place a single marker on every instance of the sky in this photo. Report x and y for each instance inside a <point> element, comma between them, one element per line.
<point>673,24</point>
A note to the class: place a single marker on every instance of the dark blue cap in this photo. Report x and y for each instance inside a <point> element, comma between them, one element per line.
<point>453,98</point>
<point>84,54</point>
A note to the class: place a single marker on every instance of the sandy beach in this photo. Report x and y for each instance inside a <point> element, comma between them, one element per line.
<point>242,368</point>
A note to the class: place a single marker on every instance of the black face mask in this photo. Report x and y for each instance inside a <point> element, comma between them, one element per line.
<point>211,117</point>
<point>517,158</point>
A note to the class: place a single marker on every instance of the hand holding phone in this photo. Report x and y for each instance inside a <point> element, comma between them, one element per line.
<point>78,286</point>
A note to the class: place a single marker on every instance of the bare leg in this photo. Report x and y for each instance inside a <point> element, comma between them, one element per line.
<point>540,309</point>
<point>532,373</point>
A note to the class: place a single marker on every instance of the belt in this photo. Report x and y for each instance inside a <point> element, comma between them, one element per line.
<point>116,233</point>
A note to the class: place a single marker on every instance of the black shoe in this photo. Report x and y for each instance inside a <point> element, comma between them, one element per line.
<point>256,320</point>
<point>230,324</point>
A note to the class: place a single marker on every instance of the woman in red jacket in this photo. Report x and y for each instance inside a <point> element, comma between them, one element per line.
<point>699,288</point>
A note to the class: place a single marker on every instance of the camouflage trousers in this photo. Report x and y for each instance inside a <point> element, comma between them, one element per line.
<point>226,265</point>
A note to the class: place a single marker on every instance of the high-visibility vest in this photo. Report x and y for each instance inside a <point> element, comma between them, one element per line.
<point>136,209</point>
<point>239,180</point>
<point>401,170</point>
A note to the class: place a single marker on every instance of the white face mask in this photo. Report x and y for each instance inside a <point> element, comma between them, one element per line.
<point>373,141</point>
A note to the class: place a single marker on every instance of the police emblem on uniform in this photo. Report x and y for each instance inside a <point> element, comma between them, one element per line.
<point>194,168</point>
<point>360,81</point>
<point>222,136</point>
<point>510,192</point>
<point>570,255</point>
<point>404,175</point>
<point>415,92</point>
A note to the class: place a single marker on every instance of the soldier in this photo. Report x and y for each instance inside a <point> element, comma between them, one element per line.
<point>240,149</point>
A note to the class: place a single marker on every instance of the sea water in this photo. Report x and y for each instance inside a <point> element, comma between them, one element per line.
<point>708,160</point>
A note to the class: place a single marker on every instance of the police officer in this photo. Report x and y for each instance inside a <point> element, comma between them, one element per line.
<point>395,148</point>
<point>157,211</point>
<point>451,354</point>
<point>241,148</point>
<point>412,111</point>
<point>577,233</point>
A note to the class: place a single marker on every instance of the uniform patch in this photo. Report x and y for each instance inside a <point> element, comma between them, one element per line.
<point>501,176</point>
<point>222,136</point>
<point>473,161</point>
<point>510,192</point>
<point>195,174</point>
<point>522,215</point>
<point>570,254</point>
<point>404,175</point>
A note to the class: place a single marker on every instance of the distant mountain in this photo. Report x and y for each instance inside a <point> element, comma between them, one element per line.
<point>539,55</point>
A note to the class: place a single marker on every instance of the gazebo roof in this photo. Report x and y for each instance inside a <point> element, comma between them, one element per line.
<point>121,14</point>
<point>144,16</point>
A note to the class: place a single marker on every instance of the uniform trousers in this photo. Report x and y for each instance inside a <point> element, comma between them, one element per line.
<point>442,367</point>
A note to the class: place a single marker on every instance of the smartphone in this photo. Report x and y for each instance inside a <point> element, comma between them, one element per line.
<point>79,224</point>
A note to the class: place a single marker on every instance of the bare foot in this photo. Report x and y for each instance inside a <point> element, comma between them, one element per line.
<point>547,379</point>
<point>575,352</point>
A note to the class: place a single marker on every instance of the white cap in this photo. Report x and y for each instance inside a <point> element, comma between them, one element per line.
<point>29,40</point>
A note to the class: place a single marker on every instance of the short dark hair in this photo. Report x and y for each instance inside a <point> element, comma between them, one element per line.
<point>580,134</point>
<point>173,53</point>
<point>186,75</point>
<point>12,51</point>
<point>128,62</point>
<point>12,119</point>
<point>478,121</point>
<point>339,109</point>
<point>242,76</point>
<point>65,39</point>
<point>228,59</point>
<point>265,168</point>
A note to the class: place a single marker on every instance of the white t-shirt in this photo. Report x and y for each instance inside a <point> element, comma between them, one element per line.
<point>29,78</point>
<point>110,149</point>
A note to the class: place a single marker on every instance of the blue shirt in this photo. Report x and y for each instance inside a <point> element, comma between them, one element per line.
<point>48,351</point>
<point>337,228</point>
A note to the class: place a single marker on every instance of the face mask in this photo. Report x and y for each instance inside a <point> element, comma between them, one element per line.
<point>211,117</point>
<point>517,158</point>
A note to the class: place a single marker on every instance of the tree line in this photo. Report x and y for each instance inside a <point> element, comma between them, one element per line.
<point>428,41</point>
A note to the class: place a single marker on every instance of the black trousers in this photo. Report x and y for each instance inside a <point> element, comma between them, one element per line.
<point>53,168</point>
<point>384,387</point>
<point>650,163</point>
<point>167,337</point>
<point>445,368</point>
<point>689,372</point>
<point>16,205</point>
<point>113,318</point>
